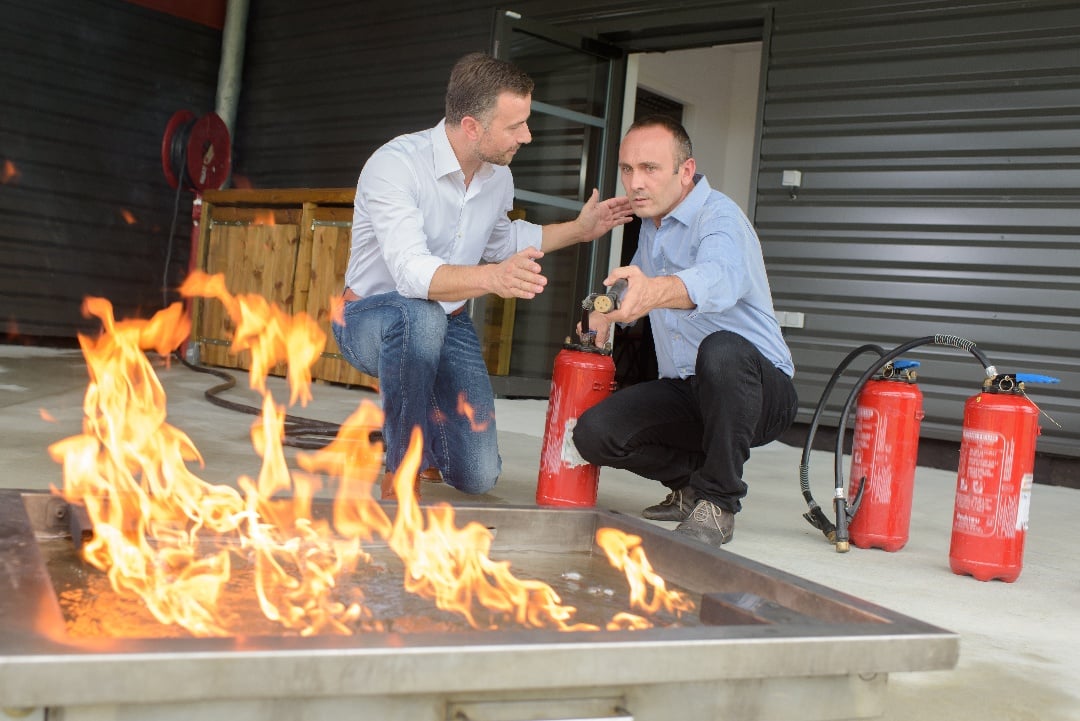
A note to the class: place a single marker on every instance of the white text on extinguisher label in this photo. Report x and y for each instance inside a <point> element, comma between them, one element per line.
<point>1025,502</point>
<point>986,497</point>
<point>870,443</point>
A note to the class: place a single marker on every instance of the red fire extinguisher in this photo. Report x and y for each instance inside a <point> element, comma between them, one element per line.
<point>994,479</point>
<point>581,379</point>
<point>884,452</point>
<point>584,375</point>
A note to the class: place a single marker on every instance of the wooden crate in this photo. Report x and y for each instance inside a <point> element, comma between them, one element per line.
<point>289,246</point>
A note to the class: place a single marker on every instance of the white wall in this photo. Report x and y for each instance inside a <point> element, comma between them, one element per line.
<point>719,89</point>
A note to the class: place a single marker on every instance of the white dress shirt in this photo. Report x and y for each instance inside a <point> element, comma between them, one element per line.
<point>413,213</point>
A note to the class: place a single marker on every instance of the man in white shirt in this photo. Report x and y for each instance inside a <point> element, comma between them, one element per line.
<point>430,206</point>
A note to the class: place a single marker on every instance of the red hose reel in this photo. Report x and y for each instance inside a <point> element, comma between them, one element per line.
<point>196,152</point>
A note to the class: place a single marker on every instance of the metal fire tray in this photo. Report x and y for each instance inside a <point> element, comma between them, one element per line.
<point>765,645</point>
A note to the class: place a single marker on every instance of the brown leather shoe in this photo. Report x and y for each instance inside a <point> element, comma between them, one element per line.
<point>431,475</point>
<point>387,487</point>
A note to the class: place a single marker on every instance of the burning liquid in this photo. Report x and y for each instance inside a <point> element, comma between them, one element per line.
<point>91,609</point>
<point>184,547</point>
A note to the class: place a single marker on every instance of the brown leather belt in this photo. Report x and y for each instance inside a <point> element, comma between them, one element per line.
<point>349,296</point>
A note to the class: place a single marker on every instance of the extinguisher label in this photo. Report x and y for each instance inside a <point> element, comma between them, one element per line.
<point>986,498</point>
<point>869,444</point>
<point>570,455</point>
<point>1025,502</point>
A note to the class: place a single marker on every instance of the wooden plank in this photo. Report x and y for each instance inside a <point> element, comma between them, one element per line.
<point>302,282</point>
<point>252,215</point>
<point>498,322</point>
<point>329,259</point>
<point>281,196</point>
<point>255,259</point>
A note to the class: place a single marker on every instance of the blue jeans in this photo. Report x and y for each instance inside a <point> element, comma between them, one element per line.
<point>697,431</point>
<point>429,366</point>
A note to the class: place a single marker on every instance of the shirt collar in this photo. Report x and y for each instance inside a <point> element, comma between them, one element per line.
<point>687,210</point>
<point>446,161</point>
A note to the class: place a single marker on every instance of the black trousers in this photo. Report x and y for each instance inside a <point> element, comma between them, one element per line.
<point>696,431</point>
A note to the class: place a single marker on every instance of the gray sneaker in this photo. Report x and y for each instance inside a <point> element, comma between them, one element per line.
<point>708,523</point>
<point>676,507</point>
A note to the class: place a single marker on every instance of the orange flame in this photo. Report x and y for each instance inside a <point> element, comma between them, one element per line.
<point>264,217</point>
<point>451,565</point>
<point>465,408</point>
<point>337,310</point>
<point>166,536</point>
<point>128,216</point>
<point>625,553</point>
<point>10,173</point>
<point>46,416</point>
<point>268,332</point>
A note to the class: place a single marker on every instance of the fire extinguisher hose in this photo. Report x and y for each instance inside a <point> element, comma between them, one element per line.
<point>838,532</point>
<point>814,514</point>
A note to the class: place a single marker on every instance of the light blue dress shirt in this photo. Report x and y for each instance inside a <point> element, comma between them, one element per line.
<point>413,213</point>
<point>709,243</point>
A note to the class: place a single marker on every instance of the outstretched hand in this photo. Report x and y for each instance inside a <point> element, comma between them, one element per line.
<point>597,218</point>
<point>644,293</point>
<point>518,276</point>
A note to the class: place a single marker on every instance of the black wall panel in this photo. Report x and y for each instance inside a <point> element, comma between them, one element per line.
<point>327,82</point>
<point>87,89</point>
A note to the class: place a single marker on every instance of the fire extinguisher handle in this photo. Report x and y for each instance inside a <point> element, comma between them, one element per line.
<point>1035,378</point>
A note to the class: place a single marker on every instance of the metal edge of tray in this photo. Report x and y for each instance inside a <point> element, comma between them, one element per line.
<point>40,666</point>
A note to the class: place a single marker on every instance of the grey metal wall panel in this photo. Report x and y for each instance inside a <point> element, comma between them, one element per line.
<point>940,151</point>
<point>88,88</point>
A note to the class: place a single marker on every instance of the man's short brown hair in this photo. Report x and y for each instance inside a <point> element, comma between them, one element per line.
<point>683,149</point>
<point>475,84</point>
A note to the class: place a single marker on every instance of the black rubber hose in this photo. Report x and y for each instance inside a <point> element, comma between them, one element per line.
<point>814,515</point>
<point>946,340</point>
<point>300,432</point>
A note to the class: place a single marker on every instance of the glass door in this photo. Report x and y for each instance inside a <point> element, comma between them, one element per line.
<point>575,122</point>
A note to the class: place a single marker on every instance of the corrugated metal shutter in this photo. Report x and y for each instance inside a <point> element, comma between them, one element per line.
<point>88,88</point>
<point>940,150</point>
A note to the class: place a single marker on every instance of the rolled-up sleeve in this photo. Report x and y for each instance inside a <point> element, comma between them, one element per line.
<point>719,277</point>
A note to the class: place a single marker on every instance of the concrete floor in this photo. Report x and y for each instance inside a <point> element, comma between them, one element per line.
<point>1019,656</point>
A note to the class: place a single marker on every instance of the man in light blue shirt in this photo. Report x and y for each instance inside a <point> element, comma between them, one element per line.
<point>430,206</point>
<point>725,370</point>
